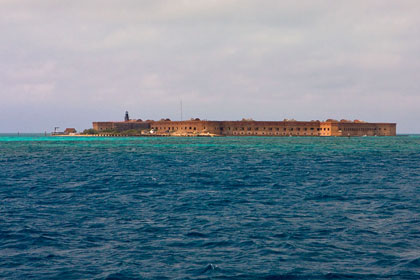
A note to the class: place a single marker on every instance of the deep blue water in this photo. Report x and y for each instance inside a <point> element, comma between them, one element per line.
<point>209,208</point>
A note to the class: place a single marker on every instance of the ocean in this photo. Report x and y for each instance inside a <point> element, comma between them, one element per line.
<point>209,208</point>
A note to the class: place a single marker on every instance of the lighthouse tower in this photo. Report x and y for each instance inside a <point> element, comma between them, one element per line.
<point>126,117</point>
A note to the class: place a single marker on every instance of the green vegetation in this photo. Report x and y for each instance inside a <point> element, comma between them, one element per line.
<point>109,131</point>
<point>90,131</point>
<point>130,132</point>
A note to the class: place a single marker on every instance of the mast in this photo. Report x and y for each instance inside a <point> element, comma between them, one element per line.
<point>181,108</point>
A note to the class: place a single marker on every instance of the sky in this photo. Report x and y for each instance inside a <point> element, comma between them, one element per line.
<point>68,63</point>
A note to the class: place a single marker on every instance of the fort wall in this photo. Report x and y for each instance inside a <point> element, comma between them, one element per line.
<point>269,128</point>
<point>120,126</point>
<point>362,129</point>
<point>254,128</point>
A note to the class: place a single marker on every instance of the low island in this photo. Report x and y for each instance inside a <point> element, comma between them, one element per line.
<point>244,127</point>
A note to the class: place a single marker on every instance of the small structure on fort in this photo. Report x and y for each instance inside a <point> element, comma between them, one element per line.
<point>248,127</point>
<point>127,124</point>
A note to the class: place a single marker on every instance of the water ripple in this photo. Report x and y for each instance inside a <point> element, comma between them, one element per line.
<point>209,208</point>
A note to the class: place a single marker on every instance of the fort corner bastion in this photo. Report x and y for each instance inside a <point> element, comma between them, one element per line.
<point>248,127</point>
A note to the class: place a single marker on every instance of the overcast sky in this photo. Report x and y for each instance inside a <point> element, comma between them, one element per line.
<point>68,63</point>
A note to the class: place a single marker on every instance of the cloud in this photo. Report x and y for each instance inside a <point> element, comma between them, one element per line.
<point>80,61</point>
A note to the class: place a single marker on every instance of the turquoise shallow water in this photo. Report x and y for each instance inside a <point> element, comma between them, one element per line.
<point>209,208</point>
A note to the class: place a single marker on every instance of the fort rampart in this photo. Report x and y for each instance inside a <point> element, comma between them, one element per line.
<point>196,127</point>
